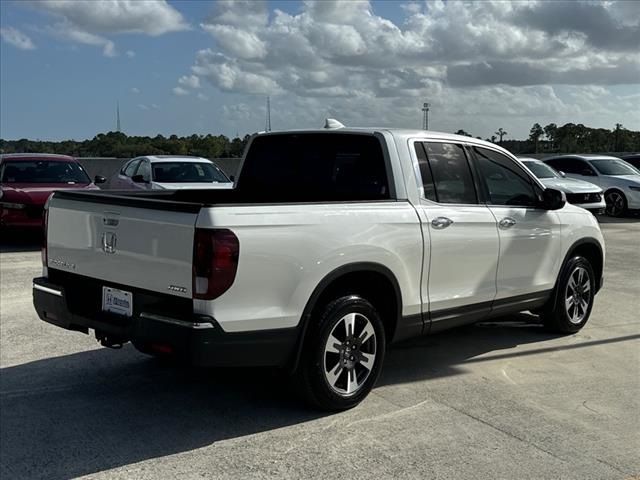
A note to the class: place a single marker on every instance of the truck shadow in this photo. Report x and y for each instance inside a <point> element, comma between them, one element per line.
<point>100,409</point>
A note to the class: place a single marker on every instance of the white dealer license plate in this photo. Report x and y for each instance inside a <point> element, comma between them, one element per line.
<point>117,301</point>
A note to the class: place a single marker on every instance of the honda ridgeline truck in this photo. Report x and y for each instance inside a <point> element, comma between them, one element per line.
<point>333,244</point>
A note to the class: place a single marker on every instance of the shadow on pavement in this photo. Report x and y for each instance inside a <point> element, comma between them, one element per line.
<point>100,409</point>
<point>630,217</point>
<point>20,240</point>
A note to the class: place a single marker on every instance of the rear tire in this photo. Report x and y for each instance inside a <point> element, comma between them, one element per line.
<point>572,298</point>
<point>342,355</point>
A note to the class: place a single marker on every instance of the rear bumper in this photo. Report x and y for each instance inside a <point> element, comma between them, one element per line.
<point>198,339</point>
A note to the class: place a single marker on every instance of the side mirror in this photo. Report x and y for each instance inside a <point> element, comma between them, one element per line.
<point>139,179</point>
<point>99,179</point>
<point>587,172</point>
<point>553,199</point>
<point>562,174</point>
<point>232,178</point>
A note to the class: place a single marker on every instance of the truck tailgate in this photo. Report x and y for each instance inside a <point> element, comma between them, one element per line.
<point>143,243</point>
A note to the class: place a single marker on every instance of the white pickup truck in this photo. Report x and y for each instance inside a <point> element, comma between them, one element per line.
<point>334,244</point>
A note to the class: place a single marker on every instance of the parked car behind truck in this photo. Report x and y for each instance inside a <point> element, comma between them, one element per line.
<point>170,172</point>
<point>27,180</point>
<point>619,180</point>
<point>333,244</point>
<point>580,193</point>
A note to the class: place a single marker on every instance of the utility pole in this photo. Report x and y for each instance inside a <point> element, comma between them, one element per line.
<point>268,119</point>
<point>425,109</point>
<point>118,117</point>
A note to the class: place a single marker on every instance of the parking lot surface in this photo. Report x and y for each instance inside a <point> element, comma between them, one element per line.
<point>498,400</point>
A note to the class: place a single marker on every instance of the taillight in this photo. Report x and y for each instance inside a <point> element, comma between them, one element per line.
<point>215,262</point>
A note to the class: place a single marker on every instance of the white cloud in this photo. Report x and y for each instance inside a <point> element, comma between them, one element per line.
<point>15,37</point>
<point>135,90</point>
<point>67,32</point>
<point>179,91</point>
<point>130,53</point>
<point>190,81</point>
<point>203,97</point>
<point>142,106</point>
<point>476,59</point>
<point>237,42</point>
<point>149,17</point>
<point>89,22</point>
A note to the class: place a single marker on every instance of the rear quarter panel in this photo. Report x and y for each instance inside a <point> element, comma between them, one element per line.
<point>286,250</point>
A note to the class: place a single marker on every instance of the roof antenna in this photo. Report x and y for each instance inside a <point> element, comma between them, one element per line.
<point>332,123</point>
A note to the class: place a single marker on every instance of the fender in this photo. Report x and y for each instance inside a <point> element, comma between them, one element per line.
<point>326,282</point>
<point>570,253</point>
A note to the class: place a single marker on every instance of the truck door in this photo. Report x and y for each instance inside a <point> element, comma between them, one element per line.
<point>530,255</point>
<point>460,279</point>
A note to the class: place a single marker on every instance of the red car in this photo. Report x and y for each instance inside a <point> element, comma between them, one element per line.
<point>27,180</point>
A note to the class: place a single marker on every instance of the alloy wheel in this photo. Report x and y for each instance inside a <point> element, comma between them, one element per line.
<point>615,203</point>
<point>349,354</point>
<point>578,295</point>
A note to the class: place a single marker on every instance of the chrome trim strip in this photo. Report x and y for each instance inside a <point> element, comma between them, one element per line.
<point>178,322</point>
<point>52,291</point>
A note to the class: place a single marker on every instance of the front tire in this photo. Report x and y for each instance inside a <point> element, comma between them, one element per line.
<point>573,297</point>
<point>616,203</point>
<point>343,354</point>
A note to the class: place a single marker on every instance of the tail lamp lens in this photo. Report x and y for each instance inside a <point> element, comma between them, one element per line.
<point>215,262</point>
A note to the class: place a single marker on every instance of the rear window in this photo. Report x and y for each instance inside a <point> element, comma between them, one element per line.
<point>314,168</point>
<point>42,171</point>
<point>187,172</point>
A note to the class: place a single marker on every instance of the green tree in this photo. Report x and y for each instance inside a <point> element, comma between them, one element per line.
<point>534,135</point>
<point>501,133</point>
<point>550,132</point>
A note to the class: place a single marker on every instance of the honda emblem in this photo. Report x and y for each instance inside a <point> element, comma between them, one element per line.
<point>109,242</point>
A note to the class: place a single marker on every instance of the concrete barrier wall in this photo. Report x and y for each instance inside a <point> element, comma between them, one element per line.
<point>108,167</point>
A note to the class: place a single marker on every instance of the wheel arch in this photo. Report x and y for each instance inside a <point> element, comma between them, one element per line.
<point>366,279</point>
<point>591,249</point>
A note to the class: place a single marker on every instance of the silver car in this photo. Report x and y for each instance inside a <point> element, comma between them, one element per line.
<point>578,192</point>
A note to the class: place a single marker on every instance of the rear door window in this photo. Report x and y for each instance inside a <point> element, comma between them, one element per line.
<point>446,175</point>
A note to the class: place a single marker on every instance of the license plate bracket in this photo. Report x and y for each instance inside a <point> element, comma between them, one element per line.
<point>117,301</point>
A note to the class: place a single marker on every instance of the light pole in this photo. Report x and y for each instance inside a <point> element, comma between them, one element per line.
<point>425,109</point>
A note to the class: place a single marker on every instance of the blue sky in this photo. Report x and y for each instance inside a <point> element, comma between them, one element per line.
<point>482,65</point>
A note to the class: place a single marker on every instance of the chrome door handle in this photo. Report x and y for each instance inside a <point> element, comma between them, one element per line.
<point>441,222</point>
<point>507,222</point>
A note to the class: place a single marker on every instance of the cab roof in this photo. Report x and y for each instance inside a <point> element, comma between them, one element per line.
<point>401,134</point>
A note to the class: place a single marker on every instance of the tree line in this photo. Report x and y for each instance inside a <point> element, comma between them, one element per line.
<point>118,144</point>
<point>568,138</point>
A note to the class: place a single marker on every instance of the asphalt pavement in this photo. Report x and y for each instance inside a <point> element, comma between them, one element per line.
<point>498,400</point>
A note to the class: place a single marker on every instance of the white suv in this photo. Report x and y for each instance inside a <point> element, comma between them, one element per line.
<point>619,180</point>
